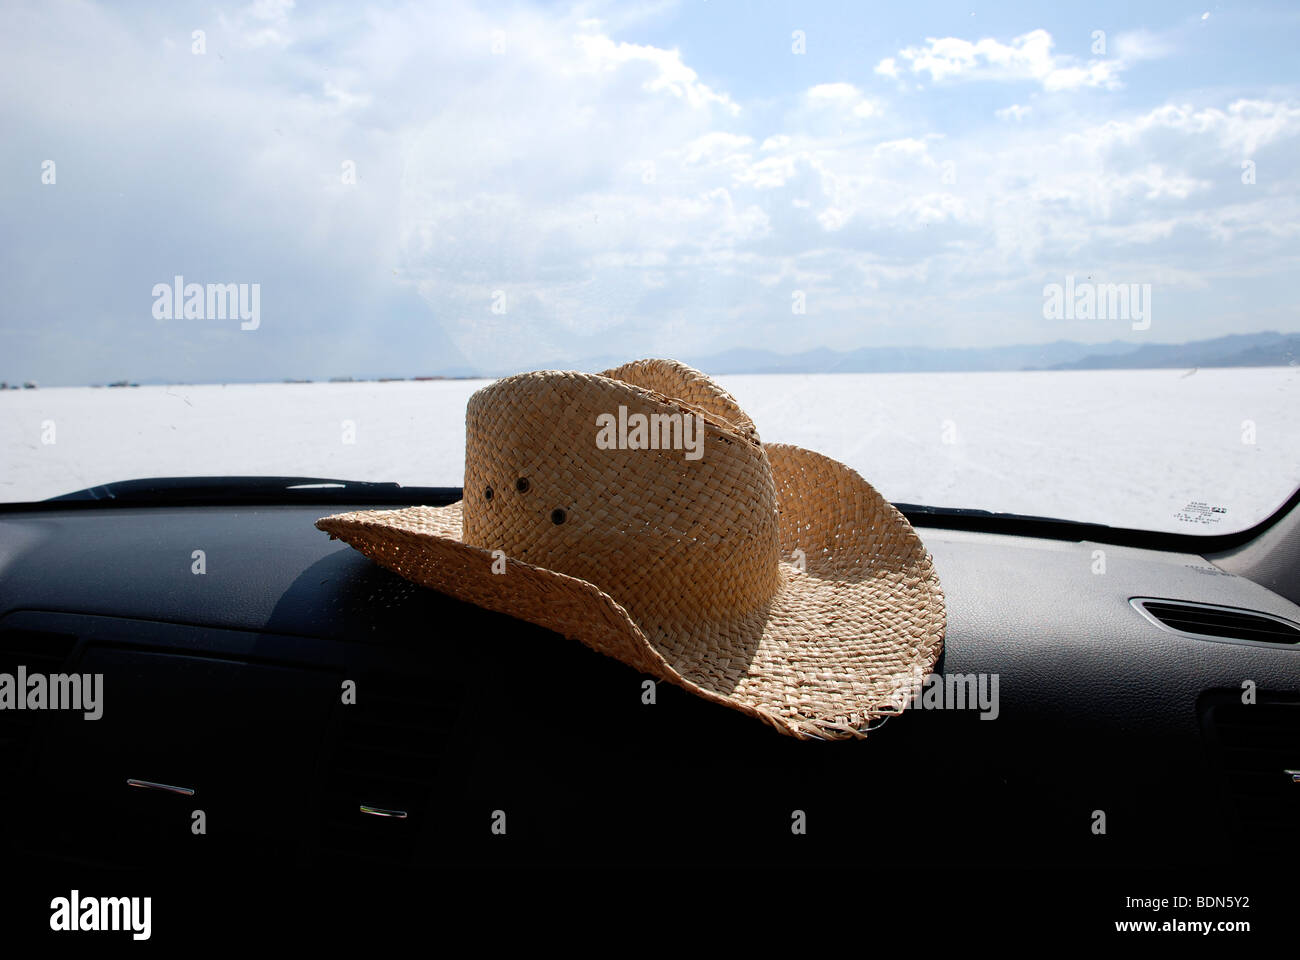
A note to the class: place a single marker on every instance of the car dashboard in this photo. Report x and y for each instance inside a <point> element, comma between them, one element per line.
<point>272,697</point>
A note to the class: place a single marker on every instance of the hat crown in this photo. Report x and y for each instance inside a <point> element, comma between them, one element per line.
<point>678,512</point>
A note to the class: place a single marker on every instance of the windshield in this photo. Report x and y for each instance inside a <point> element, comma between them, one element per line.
<point>1038,261</point>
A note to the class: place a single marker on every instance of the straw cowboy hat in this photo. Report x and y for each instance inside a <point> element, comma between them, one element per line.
<point>763,577</point>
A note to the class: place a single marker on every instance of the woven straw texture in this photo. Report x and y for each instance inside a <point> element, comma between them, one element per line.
<point>767,578</point>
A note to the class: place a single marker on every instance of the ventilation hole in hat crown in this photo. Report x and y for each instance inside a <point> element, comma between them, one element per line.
<point>557,516</point>
<point>522,484</point>
<point>487,493</point>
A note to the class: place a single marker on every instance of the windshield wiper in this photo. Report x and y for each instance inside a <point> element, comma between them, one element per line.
<point>912,510</point>
<point>1029,525</point>
<point>235,490</point>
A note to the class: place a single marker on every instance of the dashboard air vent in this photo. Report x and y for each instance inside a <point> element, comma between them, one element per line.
<point>382,783</point>
<point>39,652</point>
<point>1217,623</point>
<point>1256,748</point>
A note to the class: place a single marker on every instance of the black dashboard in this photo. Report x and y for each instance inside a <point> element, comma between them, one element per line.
<point>272,697</point>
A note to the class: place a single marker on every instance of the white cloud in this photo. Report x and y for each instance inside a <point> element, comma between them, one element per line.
<point>1028,57</point>
<point>1014,112</point>
<point>343,98</point>
<point>718,146</point>
<point>261,23</point>
<point>1238,131</point>
<point>843,97</point>
<point>668,72</point>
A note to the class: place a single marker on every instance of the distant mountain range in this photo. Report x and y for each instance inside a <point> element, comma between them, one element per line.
<point>1236,350</point>
<point>1267,349</point>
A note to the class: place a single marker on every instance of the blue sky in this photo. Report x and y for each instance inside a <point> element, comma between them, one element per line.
<point>536,184</point>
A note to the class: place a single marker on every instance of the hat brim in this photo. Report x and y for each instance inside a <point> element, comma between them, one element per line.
<point>859,616</point>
